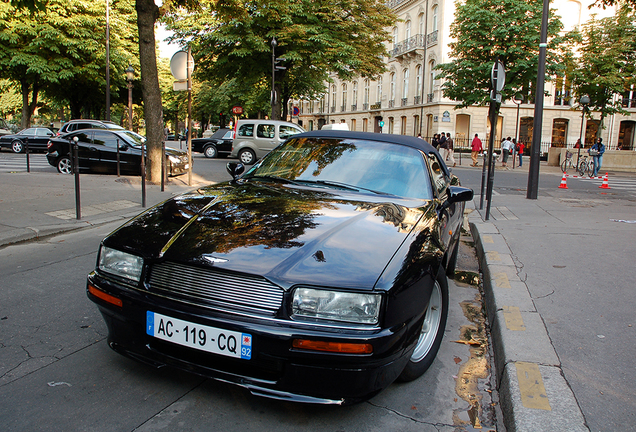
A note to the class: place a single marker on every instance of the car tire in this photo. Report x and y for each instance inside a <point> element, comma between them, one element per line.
<point>247,156</point>
<point>17,146</point>
<point>64,165</point>
<point>210,152</point>
<point>431,332</point>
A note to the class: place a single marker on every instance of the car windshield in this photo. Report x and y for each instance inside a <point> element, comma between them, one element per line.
<point>132,137</point>
<point>347,164</point>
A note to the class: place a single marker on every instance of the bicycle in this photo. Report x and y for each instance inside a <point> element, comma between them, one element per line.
<point>568,164</point>
<point>586,166</point>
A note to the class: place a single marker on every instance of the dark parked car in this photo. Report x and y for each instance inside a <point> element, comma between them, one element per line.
<point>317,276</point>
<point>97,151</point>
<point>219,144</point>
<point>38,139</point>
<point>176,137</point>
<point>78,124</point>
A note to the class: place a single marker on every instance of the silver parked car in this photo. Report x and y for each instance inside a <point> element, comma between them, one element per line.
<point>255,138</point>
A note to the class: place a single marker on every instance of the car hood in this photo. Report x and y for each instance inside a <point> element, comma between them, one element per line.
<point>287,234</point>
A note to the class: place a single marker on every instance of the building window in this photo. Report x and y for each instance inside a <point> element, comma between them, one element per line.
<point>391,125</point>
<point>353,124</point>
<point>629,98</point>
<point>407,30</point>
<point>379,90</point>
<point>418,80</point>
<point>403,125</point>
<point>434,18</point>
<point>366,94</point>
<point>392,88</point>
<point>344,96</point>
<point>395,37</point>
<point>333,96</point>
<point>421,24</point>
<point>405,84</point>
<point>562,91</point>
<point>365,125</point>
<point>431,84</point>
<point>416,125</point>
<point>559,132</point>
<point>354,95</point>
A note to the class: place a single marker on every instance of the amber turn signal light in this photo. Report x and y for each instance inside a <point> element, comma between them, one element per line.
<point>335,347</point>
<point>106,297</point>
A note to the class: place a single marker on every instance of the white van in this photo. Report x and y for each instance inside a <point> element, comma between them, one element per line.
<point>255,138</point>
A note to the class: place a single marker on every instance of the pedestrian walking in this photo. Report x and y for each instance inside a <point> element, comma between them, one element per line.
<point>596,152</point>
<point>435,141</point>
<point>520,148</point>
<point>475,148</point>
<point>450,150</point>
<point>443,149</point>
<point>506,146</point>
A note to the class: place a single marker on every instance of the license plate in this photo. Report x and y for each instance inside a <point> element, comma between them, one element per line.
<point>197,336</point>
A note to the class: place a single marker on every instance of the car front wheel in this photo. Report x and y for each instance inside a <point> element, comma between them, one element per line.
<point>17,146</point>
<point>431,332</point>
<point>247,156</point>
<point>64,165</point>
<point>210,151</point>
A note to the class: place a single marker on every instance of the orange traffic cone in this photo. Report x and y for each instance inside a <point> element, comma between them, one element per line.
<point>564,184</point>
<point>605,184</point>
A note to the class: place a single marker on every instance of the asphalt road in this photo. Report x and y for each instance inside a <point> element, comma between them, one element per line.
<point>57,372</point>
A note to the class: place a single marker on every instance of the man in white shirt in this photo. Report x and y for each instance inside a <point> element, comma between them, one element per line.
<point>506,148</point>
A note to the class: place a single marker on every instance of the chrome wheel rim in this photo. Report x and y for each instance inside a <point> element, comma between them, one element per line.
<point>246,157</point>
<point>65,166</point>
<point>17,147</point>
<point>430,327</point>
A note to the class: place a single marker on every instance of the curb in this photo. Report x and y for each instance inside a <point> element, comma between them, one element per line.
<point>533,392</point>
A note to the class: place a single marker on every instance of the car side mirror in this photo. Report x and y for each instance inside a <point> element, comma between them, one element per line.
<point>123,146</point>
<point>235,169</point>
<point>457,194</point>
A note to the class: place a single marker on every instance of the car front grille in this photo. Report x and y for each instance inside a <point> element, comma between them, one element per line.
<point>214,289</point>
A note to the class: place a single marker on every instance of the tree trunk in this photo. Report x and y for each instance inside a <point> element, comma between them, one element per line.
<point>147,14</point>
<point>28,108</point>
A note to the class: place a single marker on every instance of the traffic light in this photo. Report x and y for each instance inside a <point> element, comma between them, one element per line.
<point>221,120</point>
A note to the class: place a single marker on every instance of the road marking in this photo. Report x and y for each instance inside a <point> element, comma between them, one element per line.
<point>493,256</point>
<point>501,280</point>
<point>513,318</point>
<point>94,209</point>
<point>533,394</point>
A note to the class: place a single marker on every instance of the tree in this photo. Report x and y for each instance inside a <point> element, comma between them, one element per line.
<point>606,65</point>
<point>508,30</point>
<point>231,40</point>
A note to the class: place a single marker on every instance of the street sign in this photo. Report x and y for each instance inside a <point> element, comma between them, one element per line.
<point>295,111</point>
<point>381,124</point>
<point>498,76</point>
<point>178,65</point>
<point>238,110</point>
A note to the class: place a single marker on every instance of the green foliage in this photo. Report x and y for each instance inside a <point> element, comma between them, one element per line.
<point>231,40</point>
<point>60,49</point>
<point>606,66</point>
<point>508,30</point>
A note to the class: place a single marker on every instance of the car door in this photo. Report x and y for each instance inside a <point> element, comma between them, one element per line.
<point>447,215</point>
<point>107,142</point>
<point>266,138</point>
<point>86,155</point>
<point>41,138</point>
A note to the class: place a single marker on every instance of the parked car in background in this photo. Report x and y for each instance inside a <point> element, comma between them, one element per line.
<point>255,138</point>
<point>318,276</point>
<point>78,124</point>
<point>38,138</point>
<point>176,137</point>
<point>219,144</point>
<point>97,151</point>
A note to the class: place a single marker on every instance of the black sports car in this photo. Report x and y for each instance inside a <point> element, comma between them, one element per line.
<point>219,144</point>
<point>98,149</point>
<point>317,276</point>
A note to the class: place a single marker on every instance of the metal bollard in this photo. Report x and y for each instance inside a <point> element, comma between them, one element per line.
<point>26,149</point>
<point>75,164</point>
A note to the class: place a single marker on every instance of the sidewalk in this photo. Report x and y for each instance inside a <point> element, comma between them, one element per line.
<point>37,205</point>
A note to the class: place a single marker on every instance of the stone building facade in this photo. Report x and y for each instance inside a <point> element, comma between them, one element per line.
<point>408,99</point>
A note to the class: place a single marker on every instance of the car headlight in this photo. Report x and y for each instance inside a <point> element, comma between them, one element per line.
<point>120,263</point>
<point>336,305</point>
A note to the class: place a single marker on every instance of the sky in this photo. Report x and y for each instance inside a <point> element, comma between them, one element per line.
<point>165,50</point>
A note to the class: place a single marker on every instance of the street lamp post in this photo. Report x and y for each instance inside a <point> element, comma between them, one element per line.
<point>130,76</point>
<point>518,100</point>
<point>584,101</point>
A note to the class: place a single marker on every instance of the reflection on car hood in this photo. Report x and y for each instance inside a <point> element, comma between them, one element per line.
<point>287,234</point>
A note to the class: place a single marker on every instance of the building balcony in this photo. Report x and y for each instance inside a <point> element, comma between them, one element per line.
<point>410,45</point>
<point>365,106</point>
<point>404,102</point>
<point>354,107</point>
<point>429,97</point>
<point>376,106</point>
<point>343,108</point>
<point>417,100</point>
<point>392,103</point>
<point>333,109</point>
<point>431,39</point>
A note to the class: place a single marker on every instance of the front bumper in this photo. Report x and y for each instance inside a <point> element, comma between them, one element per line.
<point>276,370</point>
